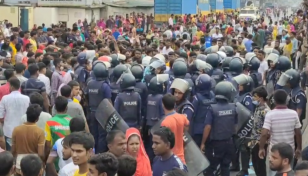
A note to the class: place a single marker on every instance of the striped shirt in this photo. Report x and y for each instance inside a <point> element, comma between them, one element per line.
<point>281,123</point>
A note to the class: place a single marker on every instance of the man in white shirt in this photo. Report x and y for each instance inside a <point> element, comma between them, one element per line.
<point>62,150</point>
<point>12,107</point>
<point>217,34</point>
<point>263,63</point>
<point>42,77</point>
<point>37,98</point>
<point>170,21</point>
<point>167,48</point>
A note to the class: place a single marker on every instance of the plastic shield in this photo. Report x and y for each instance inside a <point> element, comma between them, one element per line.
<point>109,118</point>
<point>268,51</point>
<point>242,79</point>
<point>195,160</point>
<point>283,79</point>
<point>272,57</point>
<point>156,64</point>
<point>245,120</point>
<point>180,84</point>
<point>161,78</point>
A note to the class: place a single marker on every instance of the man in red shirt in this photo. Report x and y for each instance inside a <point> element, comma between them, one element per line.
<point>26,39</point>
<point>5,89</point>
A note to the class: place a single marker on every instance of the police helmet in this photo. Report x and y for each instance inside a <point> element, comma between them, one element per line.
<point>208,50</point>
<point>228,50</point>
<point>272,57</point>
<point>160,57</point>
<point>100,69</point>
<point>157,64</point>
<point>179,60</point>
<point>249,55</point>
<point>213,59</point>
<point>127,81</point>
<point>204,67</point>
<point>119,70</point>
<point>182,85</point>
<point>222,55</point>
<point>236,66</point>
<point>203,83</point>
<point>201,57</point>
<point>157,84</point>
<point>254,63</point>
<point>225,90</point>
<point>179,69</point>
<point>137,71</point>
<point>245,81</point>
<point>114,60</point>
<point>290,76</point>
<point>283,63</point>
<point>225,64</point>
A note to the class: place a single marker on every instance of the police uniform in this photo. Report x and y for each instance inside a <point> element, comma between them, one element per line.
<point>254,64</point>
<point>202,104</point>
<point>128,102</point>
<point>97,90</point>
<point>214,60</point>
<point>222,120</point>
<point>185,106</point>
<point>154,109</point>
<point>80,72</point>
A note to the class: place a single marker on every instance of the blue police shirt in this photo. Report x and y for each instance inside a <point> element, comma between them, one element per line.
<point>161,167</point>
<point>209,117</point>
<point>247,102</point>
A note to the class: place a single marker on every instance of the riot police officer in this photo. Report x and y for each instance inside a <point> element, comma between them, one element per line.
<point>181,91</point>
<point>128,102</point>
<point>202,103</point>
<point>114,62</point>
<point>228,50</point>
<point>272,74</point>
<point>97,90</point>
<point>140,87</point>
<point>283,63</point>
<point>81,74</point>
<point>180,71</point>
<point>254,64</point>
<point>235,68</point>
<point>114,85</point>
<point>205,68</point>
<point>298,100</point>
<point>220,125</point>
<point>154,109</point>
<point>245,98</point>
<point>156,67</point>
<point>214,60</point>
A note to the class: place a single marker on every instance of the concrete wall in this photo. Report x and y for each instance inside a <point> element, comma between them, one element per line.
<point>108,10</point>
<point>12,14</point>
<point>68,15</point>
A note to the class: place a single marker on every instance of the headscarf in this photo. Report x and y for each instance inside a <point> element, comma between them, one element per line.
<point>143,162</point>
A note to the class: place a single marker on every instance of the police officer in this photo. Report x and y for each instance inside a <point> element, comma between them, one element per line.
<point>128,102</point>
<point>154,109</point>
<point>181,91</point>
<point>97,90</point>
<point>298,100</point>
<point>254,64</point>
<point>235,68</point>
<point>228,50</point>
<point>272,74</point>
<point>180,71</point>
<point>245,98</point>
<point>202,103</point>
<point>214,60</point>
<point>114,62</point>
<point>114,85</point>
<point>156,67</point>
<point>81,73</point>
<point>283,63</point>
<point>220,125</point>
<point>225,66</point>
<point>140,87</point>
<point>205,68</point>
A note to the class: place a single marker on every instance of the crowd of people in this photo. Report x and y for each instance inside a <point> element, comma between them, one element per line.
<point>127,97</point>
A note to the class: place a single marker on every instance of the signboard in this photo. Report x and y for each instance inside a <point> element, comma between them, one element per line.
<point>64,2</point>
<point>19,2</point>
